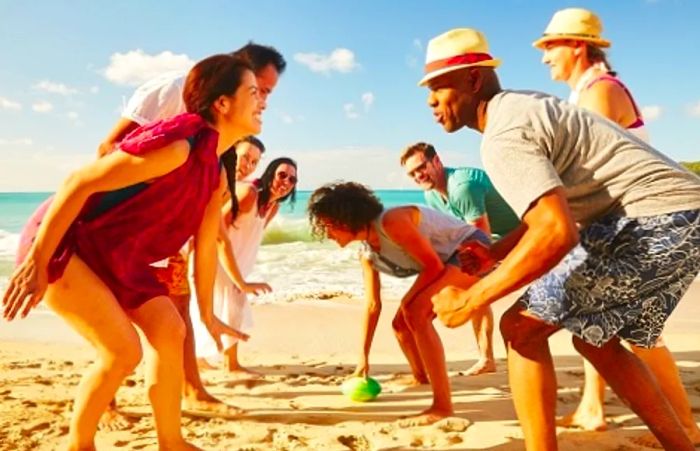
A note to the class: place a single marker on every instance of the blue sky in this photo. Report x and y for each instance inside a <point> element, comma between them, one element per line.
<point>68,66</point>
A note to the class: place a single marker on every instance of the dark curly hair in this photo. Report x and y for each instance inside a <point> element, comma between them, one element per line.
<point>346,204</point>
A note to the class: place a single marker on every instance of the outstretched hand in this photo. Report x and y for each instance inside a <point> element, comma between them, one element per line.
<point>256,288</point>
<point>362,370</point>
<point>25,290</point>
<point>217,328</point>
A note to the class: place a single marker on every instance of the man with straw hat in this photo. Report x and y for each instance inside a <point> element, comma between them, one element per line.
<point>600,212</point>
<point>573,49</point>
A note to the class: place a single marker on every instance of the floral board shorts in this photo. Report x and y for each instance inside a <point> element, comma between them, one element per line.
<point>174,276</point>
<point>623,279</point>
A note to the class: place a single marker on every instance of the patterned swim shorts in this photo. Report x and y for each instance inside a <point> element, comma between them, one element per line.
<point>174,276</point>
<point>623,279</point>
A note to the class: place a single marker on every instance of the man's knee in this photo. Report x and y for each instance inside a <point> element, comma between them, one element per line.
<point>608,352</point>
<point>522,331</point>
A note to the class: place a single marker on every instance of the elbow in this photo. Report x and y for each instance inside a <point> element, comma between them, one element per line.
<point>563,236</point>
<point>374,309</point>
<point>76,186</point>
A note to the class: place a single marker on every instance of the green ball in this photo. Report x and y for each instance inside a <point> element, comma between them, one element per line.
<point>361,389</point>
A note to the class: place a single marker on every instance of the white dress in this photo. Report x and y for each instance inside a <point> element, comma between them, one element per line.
<point>230,304</point>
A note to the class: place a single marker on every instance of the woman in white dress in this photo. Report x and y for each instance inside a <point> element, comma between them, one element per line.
<point>258,203</point>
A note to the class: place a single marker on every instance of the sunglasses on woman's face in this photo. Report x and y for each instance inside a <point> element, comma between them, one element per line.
<point>282,175</point>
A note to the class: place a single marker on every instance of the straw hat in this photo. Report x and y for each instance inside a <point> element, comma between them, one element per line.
<point>456,49</point>
<point>577,24</point>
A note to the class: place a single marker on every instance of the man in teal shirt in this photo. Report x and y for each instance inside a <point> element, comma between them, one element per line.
<point>469,195</point>
<point>466,193</point>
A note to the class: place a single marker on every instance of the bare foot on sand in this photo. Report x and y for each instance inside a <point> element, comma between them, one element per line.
<point>650,441</point>
<point>588,420</point>
<point>409,380</point>
<point>179,446</point>
<point>113,420</point>
<point>483,366</point>
<point>203,402</point>
<point>241,371</point>
<point>203,365</point>
<point>425,418</point>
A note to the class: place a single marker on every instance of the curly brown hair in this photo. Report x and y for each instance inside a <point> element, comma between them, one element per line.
<point>346,204</point>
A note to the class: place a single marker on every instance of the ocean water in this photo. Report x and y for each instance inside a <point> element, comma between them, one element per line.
<point>297,267</point>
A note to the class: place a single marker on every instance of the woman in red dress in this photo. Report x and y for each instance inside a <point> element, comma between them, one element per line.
<point>91,258</point>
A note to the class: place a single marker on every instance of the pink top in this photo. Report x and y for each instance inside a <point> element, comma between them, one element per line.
<point>639,122</point>
<point>120,243</point>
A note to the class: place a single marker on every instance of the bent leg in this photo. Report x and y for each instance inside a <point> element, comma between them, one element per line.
<point>663,366</point>
<point>409,347</point>
<point>164,331</point>
<point>482,323</point>
<point>636,386</point>
<point>418,314</point>
<point>89,307</point>
<point>590,414</point>
<point>196,397</point>
<point>531,375</point>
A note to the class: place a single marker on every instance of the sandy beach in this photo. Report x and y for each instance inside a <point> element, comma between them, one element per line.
<point>305,349</point>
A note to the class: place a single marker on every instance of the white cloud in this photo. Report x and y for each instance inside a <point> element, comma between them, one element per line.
<point>694,109</point>
<point>7,104</point>
<point>15,142</point>
<point>136,67</point>
<point>94,89</point>
<point>75,118</point>
<point>42,106</point>
<point>339,60</point>
<point>55,88</point>
<point>651,112</point>
<point>367,100</point>
<point>350,111</point>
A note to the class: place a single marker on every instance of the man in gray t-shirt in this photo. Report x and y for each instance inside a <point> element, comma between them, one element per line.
<point>609,240</point>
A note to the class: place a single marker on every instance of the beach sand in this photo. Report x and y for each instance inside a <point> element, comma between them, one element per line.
<point>305,349</point>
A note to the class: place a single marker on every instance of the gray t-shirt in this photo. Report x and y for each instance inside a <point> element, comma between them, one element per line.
<point>534,142</point>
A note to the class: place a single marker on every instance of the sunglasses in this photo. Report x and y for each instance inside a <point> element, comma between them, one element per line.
<point>282,175</point>
<point>418,169</point>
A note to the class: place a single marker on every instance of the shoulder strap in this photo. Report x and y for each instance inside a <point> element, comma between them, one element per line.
<point>618,82</point>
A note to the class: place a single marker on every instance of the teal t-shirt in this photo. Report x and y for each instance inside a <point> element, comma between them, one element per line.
<point>470,194</point>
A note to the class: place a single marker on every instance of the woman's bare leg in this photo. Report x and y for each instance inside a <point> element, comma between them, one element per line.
<point>89,307</point>
<point>164,331</point>
<point>482,323</point>
<point>408,345</point>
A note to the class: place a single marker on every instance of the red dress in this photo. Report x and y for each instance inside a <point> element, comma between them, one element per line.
<point>119,244</point>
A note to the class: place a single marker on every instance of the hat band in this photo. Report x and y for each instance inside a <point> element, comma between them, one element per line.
<point>571,35</point>
<point>467,58</point>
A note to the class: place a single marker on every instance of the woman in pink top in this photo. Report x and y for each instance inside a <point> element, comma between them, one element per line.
<point>91,256</point>
<point>573,50</point>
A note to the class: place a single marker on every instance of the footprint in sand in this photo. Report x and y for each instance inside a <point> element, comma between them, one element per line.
<point>355,442</point>
<point>453,424</point>
<point>31,430</point>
